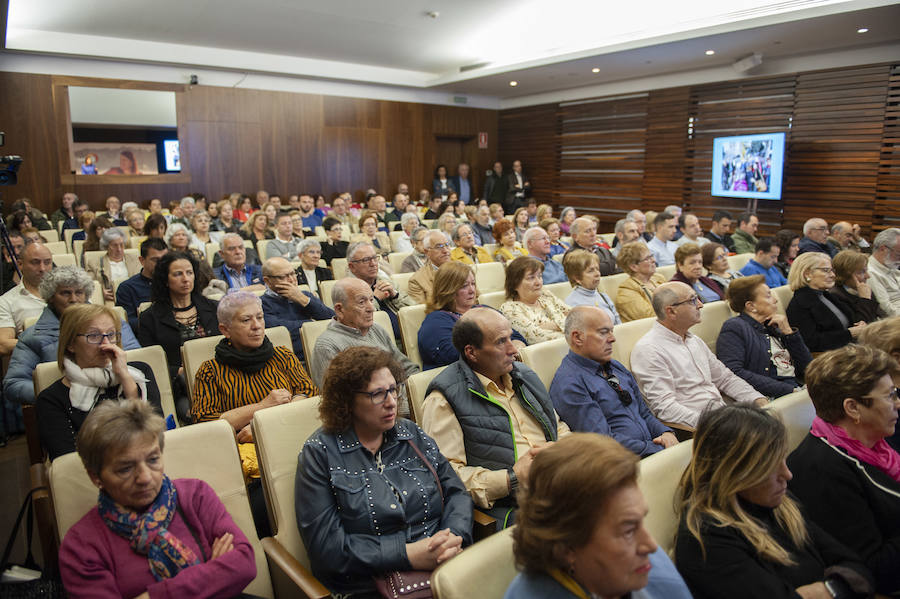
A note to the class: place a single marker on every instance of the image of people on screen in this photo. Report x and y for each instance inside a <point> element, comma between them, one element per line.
<point>88,167</point>
<point>127,165</point>
<point>747,165</point>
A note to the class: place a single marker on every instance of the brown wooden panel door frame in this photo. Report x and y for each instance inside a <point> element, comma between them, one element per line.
<point>63,126</point>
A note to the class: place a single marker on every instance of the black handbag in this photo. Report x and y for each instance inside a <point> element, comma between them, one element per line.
<point>45,587</point>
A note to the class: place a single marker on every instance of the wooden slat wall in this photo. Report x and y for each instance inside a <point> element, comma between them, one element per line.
<point>532,135</point>
<point>835,146</point>
<point>842,128</point>
<point>601,146</point>
<point>887,195</point>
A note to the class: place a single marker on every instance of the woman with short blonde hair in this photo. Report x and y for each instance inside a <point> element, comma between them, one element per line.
<point>633,298</point>
<point>850,287</point>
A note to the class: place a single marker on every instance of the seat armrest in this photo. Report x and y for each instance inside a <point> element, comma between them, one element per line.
<point>483,525</point>
<point>299,575</point>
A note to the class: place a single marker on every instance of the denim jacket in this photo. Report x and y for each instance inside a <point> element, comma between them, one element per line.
<point>356,512</point>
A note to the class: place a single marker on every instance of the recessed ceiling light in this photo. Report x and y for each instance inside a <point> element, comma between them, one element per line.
<point>595,70</point>
<point>513,83</point>
<point>710,52</point>
<point>862,30</point>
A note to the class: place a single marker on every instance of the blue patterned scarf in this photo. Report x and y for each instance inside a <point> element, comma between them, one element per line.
<point>148,532</point>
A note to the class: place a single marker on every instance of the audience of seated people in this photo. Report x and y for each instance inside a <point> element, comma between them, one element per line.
<point>634,295</point>
<point>62,287</point>
<point>453,295</point>
<point>148,535</point>
<point>114,265</point>
<point>679,375</point>
<point>760,345</point>
<point>720,230</point>
<point>354,325</point>
<point>845,474</point>
<point>596,548</point>
<point>24,300</point>
<point>740,534</point>
<point>593,393</point>
<point>584,237</point>
<point>532,310</point>
<point>689,270</point>
<point>94,368</point>
<point>789,245</point>
<point>284,245</point>
<point>489,414</point>
<point>409,222</point>
<point>520,223</point>
<point>354,537</point>
<point>715,261</point>
<point>662,245</point>
<point>369,232</point>
<point>508,246</point>
<point>825,323</point>
<point>764,262</point>
<point>551,226</point>
<point>482,226</point>
<point>691,231</point>
<point>582,269</point>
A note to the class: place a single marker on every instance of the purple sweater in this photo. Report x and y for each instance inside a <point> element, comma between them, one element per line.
<point>95,562</point>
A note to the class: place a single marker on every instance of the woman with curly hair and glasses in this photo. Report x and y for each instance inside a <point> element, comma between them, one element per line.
<point>374,494</point>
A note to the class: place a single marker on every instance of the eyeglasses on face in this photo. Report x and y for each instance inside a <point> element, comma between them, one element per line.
<point>284,277</point>
<point>441,246</point>
<point>368,260</point>
<point>379,396</point>
<point>826,269</point>
<point>694,299</point>
<point>96,338</point>
<point>646,259</point>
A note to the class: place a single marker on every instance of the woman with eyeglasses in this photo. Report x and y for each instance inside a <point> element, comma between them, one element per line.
<point>94,368</point>
<point>374,493</point>
<point>715,261</point>
<point>333,246</point>
<point>633,299</point>
<point>824,324</point>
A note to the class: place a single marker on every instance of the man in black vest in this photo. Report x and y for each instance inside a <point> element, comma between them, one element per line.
<point>489,414</point>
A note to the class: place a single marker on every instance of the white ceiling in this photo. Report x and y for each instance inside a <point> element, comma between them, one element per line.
<point>545,45</point>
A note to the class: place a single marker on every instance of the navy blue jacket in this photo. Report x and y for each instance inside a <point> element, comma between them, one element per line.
<point>282,312</point>
<point>252,272</point>
<point>808,245</point>
<point>744,348</point>
<point>586,402</point>
<point>131,293</point>
<point>435,339</point>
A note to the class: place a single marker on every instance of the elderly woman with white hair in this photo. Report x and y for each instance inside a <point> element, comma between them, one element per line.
<point>60,288</point>
<point>409,222</point>
<point>309,272</point>
<point>115,265</point>
<point>247,374</point>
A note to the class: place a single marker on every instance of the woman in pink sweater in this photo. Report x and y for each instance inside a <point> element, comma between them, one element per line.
<point>149,536</point>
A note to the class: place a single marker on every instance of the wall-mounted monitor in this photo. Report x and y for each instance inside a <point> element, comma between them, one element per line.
<point>748,166</point>
<point>173,155</point>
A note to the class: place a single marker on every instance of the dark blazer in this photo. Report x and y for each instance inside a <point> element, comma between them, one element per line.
<point>744,348</point>
<point>705,280</point>
<point>280,311</point>
<point>495,189</point>
<point>436,188</point>
<point>864,309</point>
<point>727,241</point>
<point>820,328</point>
<point>854,501</point>
<point>322,274</point>
<point>157,326</point>
<point>512,202</point>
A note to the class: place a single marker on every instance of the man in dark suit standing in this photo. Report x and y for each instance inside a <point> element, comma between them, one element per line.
<point>495,186</point>
<point>518,188</point>
<point>463,184</point>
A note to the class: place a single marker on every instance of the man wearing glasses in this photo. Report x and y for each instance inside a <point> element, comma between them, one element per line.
<point>593,393</point>
<point>284,304</point>
<point>678,374</point>
<point>362,262</point>
<point>884,278</point>
<point>437,250</point>
<point>815,238</point>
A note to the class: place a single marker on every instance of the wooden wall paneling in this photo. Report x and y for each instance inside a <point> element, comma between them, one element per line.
<point>222,104</point>
<point>291,140</point>
<point>350,156</point>
<point>835,145</point>
<point>226,157</point>
<point>531,134</point>
<point>887,194</point>
<point>762,105</point>
<point>664,148</point>
<point>402,148</point>
<point>27,118</point>
<point>463,124</point>
<point>601,146</point>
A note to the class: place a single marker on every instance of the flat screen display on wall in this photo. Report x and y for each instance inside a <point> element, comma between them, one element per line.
<point>748,166</point>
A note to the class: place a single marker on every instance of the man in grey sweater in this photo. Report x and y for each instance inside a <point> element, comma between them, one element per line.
<point>354,325</point>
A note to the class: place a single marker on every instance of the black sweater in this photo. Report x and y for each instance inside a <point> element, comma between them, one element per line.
<point>732,568</point>
<point>59,422</point>
<point>820,328</point>
<point>854,501</point>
